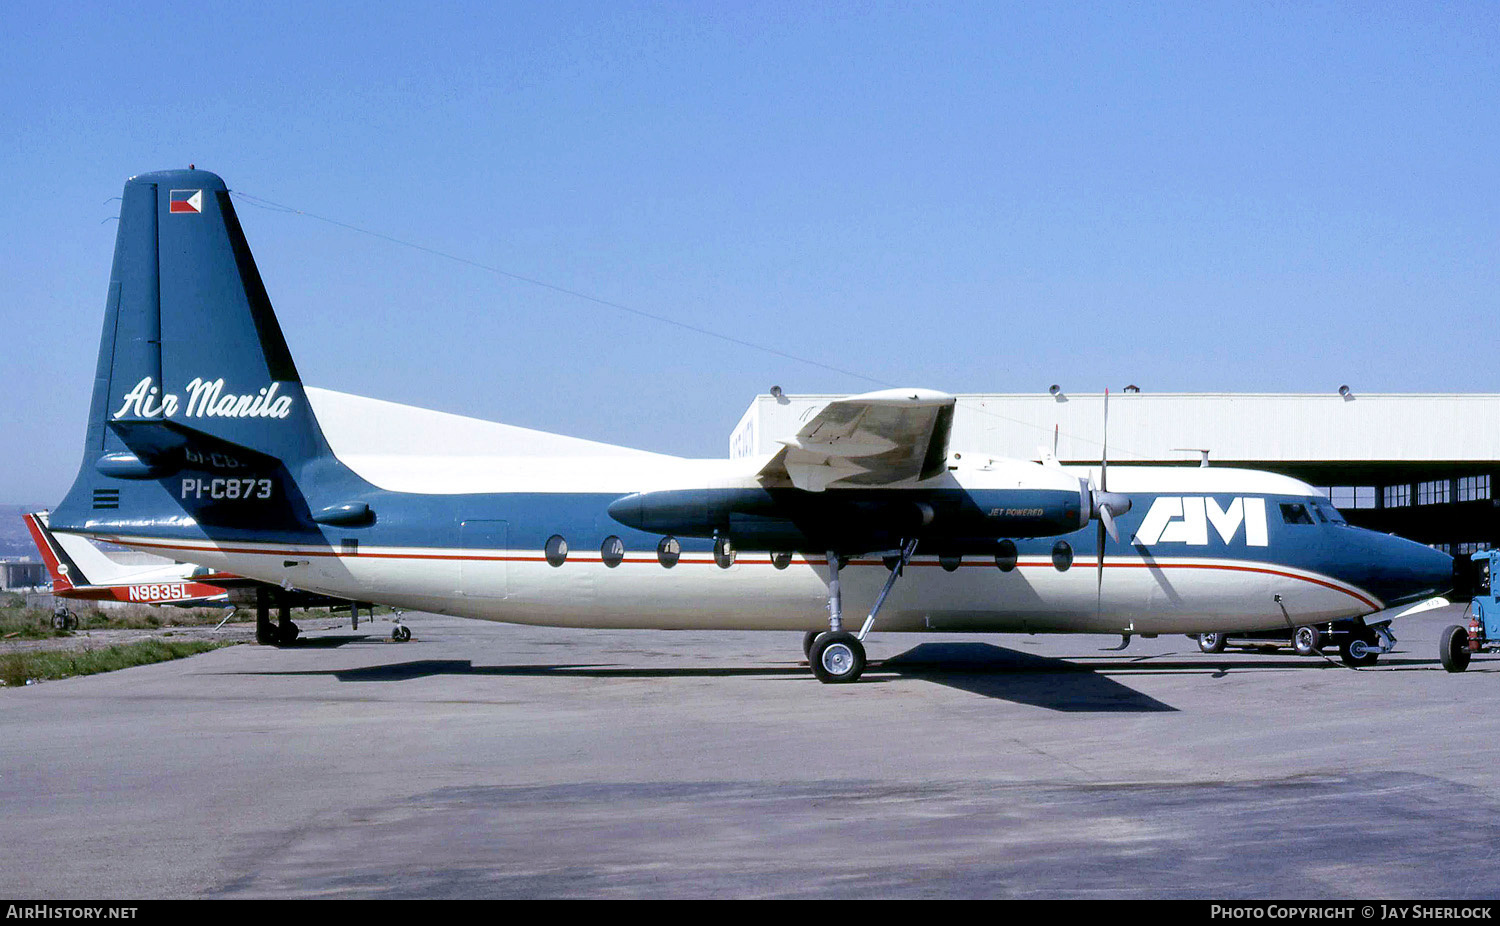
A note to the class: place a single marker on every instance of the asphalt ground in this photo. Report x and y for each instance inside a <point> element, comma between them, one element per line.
<point>486,760</point>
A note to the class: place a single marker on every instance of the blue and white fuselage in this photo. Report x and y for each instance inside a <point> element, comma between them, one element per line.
<point>467,535</point>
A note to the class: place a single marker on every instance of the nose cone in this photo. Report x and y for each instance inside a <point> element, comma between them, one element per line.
<point>1401,570</point>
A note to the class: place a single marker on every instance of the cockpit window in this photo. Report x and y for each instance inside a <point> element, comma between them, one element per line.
<point>1294,513</point>
<point>1328,513</point>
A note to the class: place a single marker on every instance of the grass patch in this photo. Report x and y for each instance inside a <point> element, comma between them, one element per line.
<point>27,624</point>
<point>18,668</point>
<point>36,623</point>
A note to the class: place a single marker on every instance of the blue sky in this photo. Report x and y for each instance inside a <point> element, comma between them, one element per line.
<point>969,197</point>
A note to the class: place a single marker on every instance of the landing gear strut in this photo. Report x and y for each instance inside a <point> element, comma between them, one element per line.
<point>836,655</point>
<point>265,631</point>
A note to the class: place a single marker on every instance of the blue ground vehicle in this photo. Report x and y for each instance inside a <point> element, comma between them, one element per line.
<point>1458,643</point>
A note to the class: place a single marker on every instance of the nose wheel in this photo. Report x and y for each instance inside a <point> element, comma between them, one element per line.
<point>1360,648</point>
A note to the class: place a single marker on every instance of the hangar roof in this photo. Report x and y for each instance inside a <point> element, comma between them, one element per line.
<point>1174,427</point>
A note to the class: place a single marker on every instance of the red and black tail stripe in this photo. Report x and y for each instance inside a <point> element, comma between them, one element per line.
<point>65,573</point>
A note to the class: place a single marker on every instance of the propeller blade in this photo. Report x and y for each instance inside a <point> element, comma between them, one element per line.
<point>1107,522</point>
<point>1104,452</point>
<point>1099,590</point>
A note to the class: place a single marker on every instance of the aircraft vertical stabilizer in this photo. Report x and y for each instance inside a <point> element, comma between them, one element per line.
<point>194,382</point>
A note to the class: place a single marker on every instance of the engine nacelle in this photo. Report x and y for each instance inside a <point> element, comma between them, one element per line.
<point>859,520</point>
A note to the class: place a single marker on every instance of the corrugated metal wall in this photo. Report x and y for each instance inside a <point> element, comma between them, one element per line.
<point>1240,427</point>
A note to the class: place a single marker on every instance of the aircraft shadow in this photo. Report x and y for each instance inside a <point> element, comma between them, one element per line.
<point>328,642</point>
<point>1023,678</point>
<point>979,668</point>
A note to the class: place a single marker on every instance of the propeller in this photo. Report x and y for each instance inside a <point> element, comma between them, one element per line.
<point>1107,505</point>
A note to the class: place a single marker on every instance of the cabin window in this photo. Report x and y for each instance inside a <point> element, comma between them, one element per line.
<point>668,551</point>
<point>556,550</point>
<point>1062,555</point>
<point>1294,513</point>
<point>1005,555</point>
<point>950,561</point>
<point>723,552</point>
<point>612,551</point>
<point>781,560</point>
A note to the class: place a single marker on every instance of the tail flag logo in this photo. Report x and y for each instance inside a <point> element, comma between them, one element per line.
<point>188,201</point>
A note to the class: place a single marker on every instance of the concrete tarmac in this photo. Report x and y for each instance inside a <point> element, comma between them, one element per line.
<point>486,760</point>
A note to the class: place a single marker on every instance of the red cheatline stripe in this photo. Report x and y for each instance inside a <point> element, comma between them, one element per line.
<point>813,561</point>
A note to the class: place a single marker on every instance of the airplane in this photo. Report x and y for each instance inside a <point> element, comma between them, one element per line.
<point>203,444</point>
<point>82,571</point>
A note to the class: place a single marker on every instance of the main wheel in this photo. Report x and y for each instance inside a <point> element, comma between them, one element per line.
<point>401,634</point>
<point>1307,641</point>
<point>808,639</point>
<point>837,657</point>
<point>1359,649</point>
<point>1453,648</point>
<point>1212,642</point>
<point>287,634</point>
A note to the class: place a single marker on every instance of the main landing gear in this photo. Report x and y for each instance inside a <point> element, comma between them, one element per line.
<point>281,633</point>
<point>837,656</point>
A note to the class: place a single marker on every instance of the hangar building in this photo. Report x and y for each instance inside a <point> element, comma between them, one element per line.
<point>1416,465</point>
<point>22,573</point>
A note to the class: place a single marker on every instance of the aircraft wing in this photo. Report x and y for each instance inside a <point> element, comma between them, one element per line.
<point>886,438</point>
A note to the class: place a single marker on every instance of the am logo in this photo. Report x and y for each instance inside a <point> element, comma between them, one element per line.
<point>1186,519</point>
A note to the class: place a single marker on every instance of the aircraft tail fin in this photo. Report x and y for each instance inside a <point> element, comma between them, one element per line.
<point>195,393</point>
<point>65,573</point>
